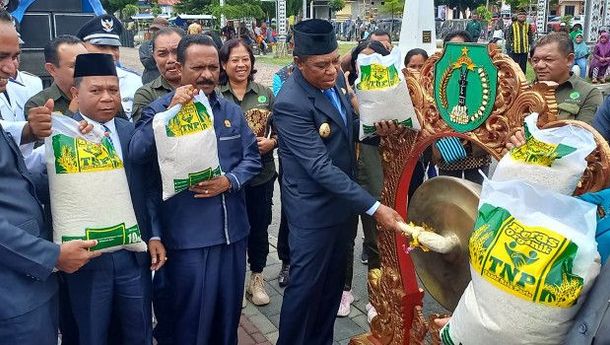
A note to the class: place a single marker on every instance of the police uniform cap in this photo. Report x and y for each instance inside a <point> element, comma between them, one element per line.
<point>94,64</point>
<point>314,37</point>
<point>104,30</point>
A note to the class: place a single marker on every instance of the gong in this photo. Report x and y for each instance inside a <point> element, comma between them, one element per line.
<point>448,206</point>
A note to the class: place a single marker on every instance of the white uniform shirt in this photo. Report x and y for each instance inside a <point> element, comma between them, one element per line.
<point>129,83</point>
<point>12,113</point>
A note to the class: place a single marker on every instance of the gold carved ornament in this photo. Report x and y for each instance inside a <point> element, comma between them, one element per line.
<point>515,99</point>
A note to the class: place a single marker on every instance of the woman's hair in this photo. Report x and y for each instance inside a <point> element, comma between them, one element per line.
<point>225,52</point>
<point>460,33</point>
<point>413,52</point>
<point>376,46</point>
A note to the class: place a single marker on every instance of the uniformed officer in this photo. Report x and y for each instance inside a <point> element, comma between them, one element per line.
<point>164,44</point>
<point>102,35</point>
<point>552,59</point>
<point>317,128</point>
<point>60,56</point>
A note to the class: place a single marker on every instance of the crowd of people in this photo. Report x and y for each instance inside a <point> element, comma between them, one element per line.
<point>202,241</point>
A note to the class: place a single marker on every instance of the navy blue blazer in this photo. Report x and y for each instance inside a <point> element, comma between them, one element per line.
<point>137,188</point>
<point>189,223</point>
<point>27,255</point>
<point>318,188</point>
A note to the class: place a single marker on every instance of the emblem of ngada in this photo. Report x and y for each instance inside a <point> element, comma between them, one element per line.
<point>465,85</point>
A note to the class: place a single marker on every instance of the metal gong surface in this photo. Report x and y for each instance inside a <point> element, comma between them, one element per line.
<point>447,205</point>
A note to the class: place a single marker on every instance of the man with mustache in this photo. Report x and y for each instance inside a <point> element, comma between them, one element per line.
<point>206,227</point>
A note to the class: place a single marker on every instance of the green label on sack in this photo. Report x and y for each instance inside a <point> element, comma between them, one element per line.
<point>76,155</point>
<point>113,236</point>
<point>371,129</point>
<point>537,152</point>
<point>377,77</point>
<point>194,178</point>
<point>193,117</point>
<point>530,262</point>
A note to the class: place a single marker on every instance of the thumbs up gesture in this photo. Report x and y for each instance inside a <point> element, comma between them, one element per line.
<point>39,123</point>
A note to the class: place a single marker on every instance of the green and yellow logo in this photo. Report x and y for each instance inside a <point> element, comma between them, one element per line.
<point>533,263</point>
<point>467,69</point>
<point>377,77</point>
<point>537,152</point>
<point>193,117</point>
<point>77,155</point>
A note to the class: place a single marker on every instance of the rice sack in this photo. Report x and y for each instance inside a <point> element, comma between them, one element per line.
<point>90,197</point>
<point>553,158</point>
<point>186,145</point>
<point>382,93</point>
<point>533,258</point>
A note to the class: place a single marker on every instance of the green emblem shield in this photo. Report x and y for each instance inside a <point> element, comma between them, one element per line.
<point>465,85</point>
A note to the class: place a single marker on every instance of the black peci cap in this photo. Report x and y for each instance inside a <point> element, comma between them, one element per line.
<point>94,64</point>
<point>314,37</point>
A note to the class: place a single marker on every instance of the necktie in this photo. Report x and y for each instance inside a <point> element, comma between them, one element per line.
<point>331,94</point>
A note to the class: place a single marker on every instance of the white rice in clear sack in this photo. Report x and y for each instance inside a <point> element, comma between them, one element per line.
<point>186,145</point>
<point>90,197</point>
<point>553,158</point>
<point>382,93</point>
<point>533,258</point>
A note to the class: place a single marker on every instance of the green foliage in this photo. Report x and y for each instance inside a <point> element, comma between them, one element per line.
<point>515,5</point>
<point>112,6</point>
<point>237,9</point>
<point>130,10</point>
<point>484,13</point>
<point>336,5</point>
<point>393,7</point>
<point>193,6</point>
<point>156,10</point>
<point>567,20</point>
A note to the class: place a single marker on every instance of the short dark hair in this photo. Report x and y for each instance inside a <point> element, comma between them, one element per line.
<point>380,32</point>
<point>190,40</point>
<point>413,52</point>
<point>563,40</point>
<point>166,32</point>
<point>458,33</point>
<point>51,49</point>
<point>375,46</point>
<point>225,52</point>
<point>5,16</point>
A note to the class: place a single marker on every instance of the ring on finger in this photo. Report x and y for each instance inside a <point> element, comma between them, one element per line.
<point>206,191</point>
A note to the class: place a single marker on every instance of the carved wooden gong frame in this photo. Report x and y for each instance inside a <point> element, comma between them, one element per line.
<point>393,289</point>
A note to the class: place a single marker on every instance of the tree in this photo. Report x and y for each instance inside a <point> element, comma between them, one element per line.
<point>193,6</point>
<point>484,13</point>
<point>113,6</point>
<point>130,10</point>
<point>517,4</point>
<point>237,9</point>
<point>393,7</point>
<point>336,5</point>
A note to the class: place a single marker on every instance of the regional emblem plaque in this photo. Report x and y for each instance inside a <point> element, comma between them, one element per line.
<point>465,85</point>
